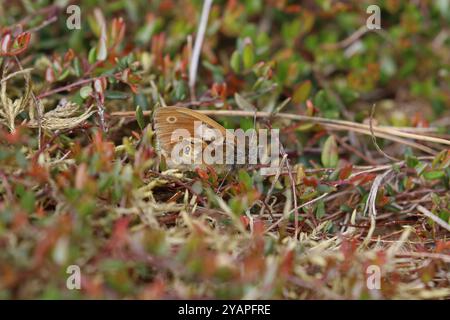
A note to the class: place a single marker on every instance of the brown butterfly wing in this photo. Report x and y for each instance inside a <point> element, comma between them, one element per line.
<point>167,119</point>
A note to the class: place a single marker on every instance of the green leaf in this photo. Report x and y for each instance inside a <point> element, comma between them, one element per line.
<point>445,215</point>
<point>27,201</point>
<point>77,67</point>
<point>85,92</point>
<point>301,93</point>
<point>411,161</point>
<point>245,178</point>
<point>92,54</point>
<point>116,95</point>
<point>246,123</point>
<point>283,104</point>
<point>235,61</point>
<point>323,188</point>
<point>248,55</point>
<point>140,117</point>
<point>420,168</point>
<point>64,75</point>
<point>433,175</point>
<point>320,100</point>
<point>330,155</point>
<point>180,90</point>
<point>320,209</point>
<point>141,100</point>
<point>439,158</point>
<point>236,206</point>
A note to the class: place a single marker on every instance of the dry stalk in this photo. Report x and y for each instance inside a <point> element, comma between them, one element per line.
<point>10,109</point>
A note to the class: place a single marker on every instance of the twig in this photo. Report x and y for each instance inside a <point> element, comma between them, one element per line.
<point>388,133</point>
<point>275,179</point>
<point>43,24</point>
<point>294,189</point>
<point>389,136</point>
<point>415,129</point>
<point>296,209</point>
<point>374,139</point>
<point>298,117</point>
<point>37,104</point>
<point>274,182</point>
<point>42,11</point>
<point>315,287</point>
<point>426,255</point>
<point>369,169</point>
<point>355,151</point>
<point>65,88</point>
<point>347,41</point>
<point>371,205</point>
<point>354,37</point>
<point>179,182</point>
<point>433,217</point>
<point>198,46</point>
<point>101,112</point>
<point>13,74</point>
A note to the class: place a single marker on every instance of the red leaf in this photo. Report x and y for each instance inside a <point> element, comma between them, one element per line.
<point>20,44</point>
<point>120,232</point>
<point>310,182</point>
<point>345,172</point>
<point>287,263</point>
<point>245,221</point>
<point>5,43</point>
<point>362,178</point>
<point>258,227</point>
<point>203,174</point>
<point>70,54</point>
<point>117,32</point>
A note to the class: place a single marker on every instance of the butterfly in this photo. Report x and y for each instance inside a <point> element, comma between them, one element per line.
<point>187,140</point>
